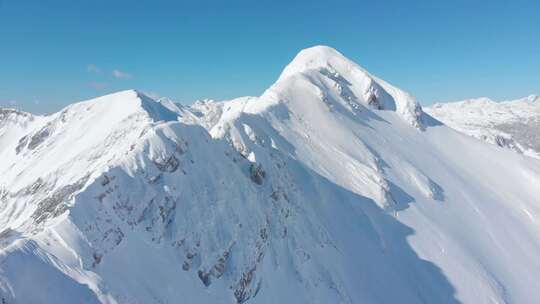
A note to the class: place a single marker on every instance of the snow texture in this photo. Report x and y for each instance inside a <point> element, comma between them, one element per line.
<point>331,187</point>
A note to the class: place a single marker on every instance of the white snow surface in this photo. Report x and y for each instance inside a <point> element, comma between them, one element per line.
<point>331,187</point>
<point>510,124</point>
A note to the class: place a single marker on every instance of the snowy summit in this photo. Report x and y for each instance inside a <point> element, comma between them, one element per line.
<point>333,186</point>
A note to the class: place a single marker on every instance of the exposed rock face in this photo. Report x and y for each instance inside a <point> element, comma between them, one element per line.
<point>257,174</point>
<point>56,203</point>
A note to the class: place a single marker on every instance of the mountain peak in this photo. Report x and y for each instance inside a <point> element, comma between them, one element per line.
<point>354,84</point>
<point>316,57</point>
<point>317,196</point>
<point>123,104</point>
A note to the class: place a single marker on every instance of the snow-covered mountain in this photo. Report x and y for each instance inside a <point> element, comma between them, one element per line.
<point>331,187</point>
<point>511,124</point>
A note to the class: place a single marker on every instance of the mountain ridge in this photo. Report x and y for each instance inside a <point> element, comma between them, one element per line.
<point>509,124</point>
<point>313,192</point>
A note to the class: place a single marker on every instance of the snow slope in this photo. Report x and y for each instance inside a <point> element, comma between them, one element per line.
<point>331,187</point>
<point>510,124</point>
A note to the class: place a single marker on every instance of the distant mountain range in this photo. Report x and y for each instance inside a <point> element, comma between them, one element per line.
<point>511,124</point>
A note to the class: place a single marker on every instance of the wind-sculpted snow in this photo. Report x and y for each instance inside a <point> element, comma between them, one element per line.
<point>315,192</point>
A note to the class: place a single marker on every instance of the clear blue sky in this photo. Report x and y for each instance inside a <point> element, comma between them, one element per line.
<point>53,52</point>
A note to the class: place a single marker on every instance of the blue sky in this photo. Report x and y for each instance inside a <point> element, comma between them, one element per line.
<point>59,52</point>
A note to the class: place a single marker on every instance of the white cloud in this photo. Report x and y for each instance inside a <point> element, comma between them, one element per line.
<point>120,74</point>
<point>92,68</point>
<point>97,85</point>
<point>8,103</point>
<point>152,95</point>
